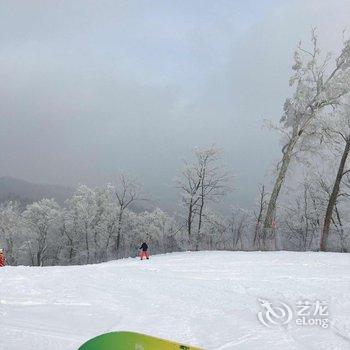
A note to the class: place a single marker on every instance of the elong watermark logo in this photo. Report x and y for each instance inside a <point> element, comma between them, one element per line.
<point>305,313</point>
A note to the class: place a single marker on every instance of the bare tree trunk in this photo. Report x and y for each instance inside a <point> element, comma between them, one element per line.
<point>189,221</point>
<point>119,231</point>
<point>41,248</point>
<point>341,229</point>
<point>38,258</point>
<point>96,253</point>
<point>200,219</point>
<point>31,254</point>
<point>110,230</point>
<point>87,244</point>
<point>11,257</point>
<point>287,155</point>
<point>333,197</point>
<point>200,214</point>
<point>71,248</point>
<point>259,217</point>
<point>306,233</point>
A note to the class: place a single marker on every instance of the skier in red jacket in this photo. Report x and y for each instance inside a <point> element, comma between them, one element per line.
<point>2,258</point>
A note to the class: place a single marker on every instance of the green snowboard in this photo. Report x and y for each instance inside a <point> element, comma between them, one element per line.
<point>132,341</point>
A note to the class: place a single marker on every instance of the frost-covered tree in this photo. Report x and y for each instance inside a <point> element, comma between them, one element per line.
<point>203,181</point>
<point>318,85</point>
<point>336,131</point>
<point>241,228</point>
<point>128,191</point>
<point>302,215</point>
<point>12,237</point>
<point>160,230</point>
<point>41,218</point>
<point>189,184</point>
<point>109,221</point>
<point>81,216</point>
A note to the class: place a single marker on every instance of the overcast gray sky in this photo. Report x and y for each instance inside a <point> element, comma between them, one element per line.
<point>92,88</point>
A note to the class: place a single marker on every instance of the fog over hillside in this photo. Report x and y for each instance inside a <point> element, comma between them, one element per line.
<point>27,192</point>
<point>90,89</point>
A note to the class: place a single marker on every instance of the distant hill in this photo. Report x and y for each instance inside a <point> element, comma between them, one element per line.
<point>27,192</point>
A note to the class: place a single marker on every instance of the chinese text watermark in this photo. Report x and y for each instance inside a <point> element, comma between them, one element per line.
<point>305,313</point>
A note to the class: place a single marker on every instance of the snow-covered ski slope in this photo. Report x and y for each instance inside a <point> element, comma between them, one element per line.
<point>207,299</point>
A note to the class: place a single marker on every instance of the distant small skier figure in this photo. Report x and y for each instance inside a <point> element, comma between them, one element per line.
<point>2,258</point>
<point>144,251</point>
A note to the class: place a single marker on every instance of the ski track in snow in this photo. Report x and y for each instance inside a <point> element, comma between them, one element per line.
<point>208,299</point>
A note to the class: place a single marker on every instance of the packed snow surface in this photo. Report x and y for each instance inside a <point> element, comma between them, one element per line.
<point>208,299</point>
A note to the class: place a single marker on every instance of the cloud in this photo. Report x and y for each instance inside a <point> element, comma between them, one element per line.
<point>92,87</point>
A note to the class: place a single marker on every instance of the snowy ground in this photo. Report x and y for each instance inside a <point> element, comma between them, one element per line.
<point>208,299</point>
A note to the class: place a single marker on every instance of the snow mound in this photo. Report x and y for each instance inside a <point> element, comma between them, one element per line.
<point>208,299</point>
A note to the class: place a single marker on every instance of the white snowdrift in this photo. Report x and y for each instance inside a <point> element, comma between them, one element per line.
<point>208,299</point>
